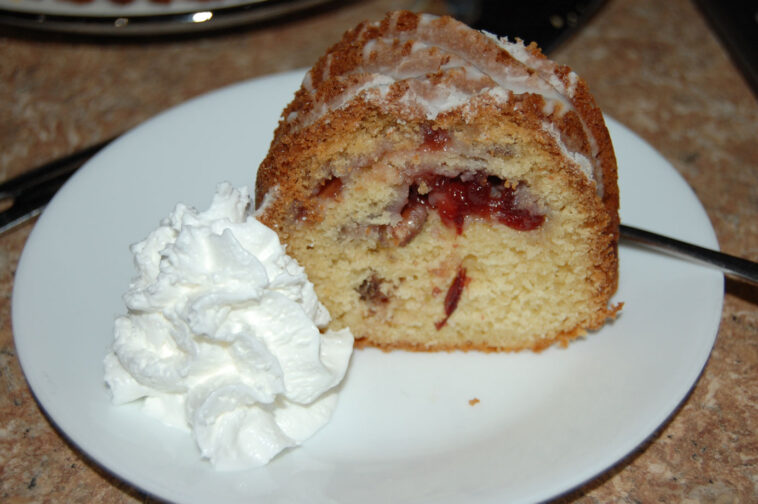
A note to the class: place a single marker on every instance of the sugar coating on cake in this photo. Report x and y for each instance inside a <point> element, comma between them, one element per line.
<point>446,189</point>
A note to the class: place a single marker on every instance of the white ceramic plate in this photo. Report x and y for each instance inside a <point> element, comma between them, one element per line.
<point>404,430</point>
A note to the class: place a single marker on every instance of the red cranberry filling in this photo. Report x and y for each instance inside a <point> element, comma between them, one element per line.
<point>483,196</point>
<point>453,296</point>
<point>434,139</point>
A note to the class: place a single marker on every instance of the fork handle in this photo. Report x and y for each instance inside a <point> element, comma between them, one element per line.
<point>729,264</point>
<point>26,195</point>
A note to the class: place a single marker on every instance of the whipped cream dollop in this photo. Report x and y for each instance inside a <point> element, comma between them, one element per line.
<point>223,336</point>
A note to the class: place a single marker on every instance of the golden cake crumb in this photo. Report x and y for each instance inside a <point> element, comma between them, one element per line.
<point>446,190</point>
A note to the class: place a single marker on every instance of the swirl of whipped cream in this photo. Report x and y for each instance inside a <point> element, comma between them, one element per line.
<point>223,336</point>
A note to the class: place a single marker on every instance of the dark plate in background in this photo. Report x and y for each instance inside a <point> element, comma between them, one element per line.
<point>145,17</point>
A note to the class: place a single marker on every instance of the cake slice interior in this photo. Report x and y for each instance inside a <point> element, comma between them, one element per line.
<point>438,207</point>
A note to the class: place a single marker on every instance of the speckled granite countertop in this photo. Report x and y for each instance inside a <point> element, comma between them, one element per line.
<point>653,65</point>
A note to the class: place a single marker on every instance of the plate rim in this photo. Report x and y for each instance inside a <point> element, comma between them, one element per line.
<point>589,473</point>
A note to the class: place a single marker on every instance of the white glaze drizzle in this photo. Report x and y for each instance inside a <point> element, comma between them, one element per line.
<point>373,81</point>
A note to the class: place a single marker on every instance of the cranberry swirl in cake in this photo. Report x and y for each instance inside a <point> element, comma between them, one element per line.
<point>446,189</point>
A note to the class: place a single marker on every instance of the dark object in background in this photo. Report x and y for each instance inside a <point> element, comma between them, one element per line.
<point>547,22</point>
<point>736,24</point>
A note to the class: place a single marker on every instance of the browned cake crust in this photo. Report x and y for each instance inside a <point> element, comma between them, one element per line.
<point>381,125</point>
